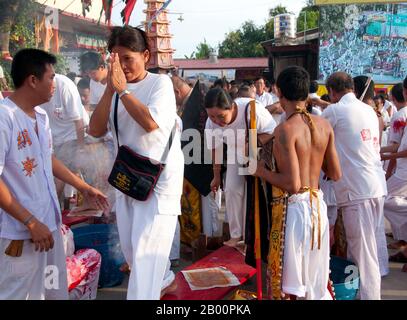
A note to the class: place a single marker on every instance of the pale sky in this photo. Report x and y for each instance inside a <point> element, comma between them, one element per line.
<point>207,19</point>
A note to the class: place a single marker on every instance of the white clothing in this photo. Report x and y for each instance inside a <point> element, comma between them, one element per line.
<point>210,206</point>
<point>234,134</point>
<point>366,243</point>
<point>64,108</point>
<point>316,111</point>
<point>146,237</point>
<point>395,207</point>
<point>1,72</point>
<point>314,96</point>
<point>176,243</point>
<point>306,270</point>
<point>401,168</point>
<point>26,277</point>
<point>235,198</point>
<point>267,99</point>
<point>26,169</point>
<point>156,92</point>
<point>390,106</point>
<point>327,187</point>
<point>397,126</point>
<point>357,142</point>
<point>96,92</point>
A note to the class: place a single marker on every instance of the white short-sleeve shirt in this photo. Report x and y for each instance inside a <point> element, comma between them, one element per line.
<point>266,98</point>
<point>397,125</point>
<point>156,92</point>
<point>26,168</point>
<point>401,169</point>
<point>356,129</point>
<point>234,134</point>
<point>63,109</point>
<point>96,92</point>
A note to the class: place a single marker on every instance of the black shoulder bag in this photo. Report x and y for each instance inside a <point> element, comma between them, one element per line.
<point>133,174</point>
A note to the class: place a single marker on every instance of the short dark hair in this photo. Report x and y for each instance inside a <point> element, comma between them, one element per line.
<point>71,75</point>
<point>339,82</point>
<point>29,62</point>
<point>379,97</point>
<point>132,38</point>
<point>293,83</point>
<point>397,92</point>
<point>405,83</point>
<point>260,78</point>
<point>84,83</point>
<point>325,97</point>
<point>218,97</point>
<point>91,60</point>
<point>220,82</point>
<point>313,86</point>
<point>359,83</point>
<point>244,91</point>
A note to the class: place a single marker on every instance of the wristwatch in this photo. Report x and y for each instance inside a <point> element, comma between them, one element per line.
<point>123,93</point>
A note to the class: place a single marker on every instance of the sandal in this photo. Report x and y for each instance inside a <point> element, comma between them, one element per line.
<point>398,257</point>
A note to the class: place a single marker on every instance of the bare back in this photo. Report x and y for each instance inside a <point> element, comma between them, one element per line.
<point>300,154</point>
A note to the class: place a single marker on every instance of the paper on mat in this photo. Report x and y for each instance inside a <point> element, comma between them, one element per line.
<point>207,278</point>
<point>84,212</point>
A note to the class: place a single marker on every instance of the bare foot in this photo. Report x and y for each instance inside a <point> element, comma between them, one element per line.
<point>397,245</point>
<point>232,242</point>
<point>169,289</point>
<point>125,268</point>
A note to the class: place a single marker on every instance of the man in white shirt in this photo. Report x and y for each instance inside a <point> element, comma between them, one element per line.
<point>395,206</point>
<point>269,100</point>
<point>93,65</point>
<point>397,125</point>
<point>361,190</point>
<point>32,255</point>
<point>3,81</point>
<point>68,121</point>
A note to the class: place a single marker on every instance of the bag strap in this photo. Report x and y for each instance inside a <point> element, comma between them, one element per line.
<point>169,142</point>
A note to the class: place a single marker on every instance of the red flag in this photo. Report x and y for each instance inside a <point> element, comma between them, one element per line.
<point>128,9</point>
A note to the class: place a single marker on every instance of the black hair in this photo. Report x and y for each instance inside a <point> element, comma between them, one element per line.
<point>397,92</point>
<point>84,83</point>
<point>313,86</point>
<point>29,62</point>
<point>218,97</point>
<point>260,78</point>
<point>132,38</point>
<point>293,83</point>
<point>220,82</point>
<point>405,83</point>
<point>71,75</point>
<point>325,97</point>
<point>91,60</point>
<point>379,97</point>
<point>244,91</point>
<point>268,84</point>
<point>359,84</point>
<point>339,82</point>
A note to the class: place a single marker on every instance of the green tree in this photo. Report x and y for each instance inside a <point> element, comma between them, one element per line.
<point>245,42</point>
<point>277,10</point>
<point>310,16</point>
<point>203,50</point>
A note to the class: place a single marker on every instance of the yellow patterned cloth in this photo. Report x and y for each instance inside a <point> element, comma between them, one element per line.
<point>276,249</point>
<point>190,219</point>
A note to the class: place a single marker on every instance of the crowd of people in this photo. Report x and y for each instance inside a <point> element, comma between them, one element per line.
<point>337,159</point>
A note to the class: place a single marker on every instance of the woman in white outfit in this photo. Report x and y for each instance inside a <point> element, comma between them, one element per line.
<point>227,123</point>
<point>146,115</point>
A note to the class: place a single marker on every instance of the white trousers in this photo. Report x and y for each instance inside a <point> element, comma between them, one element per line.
<point>306,270</point>
<point>176,243</point>
<point>395,207</point>
<point>365,236</point>
<point>210,213</point>
<point>235,198</point>
<point>34,275</point>
<point>145,238</point>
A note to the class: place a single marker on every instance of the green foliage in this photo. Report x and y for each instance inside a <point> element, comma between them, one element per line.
<point>203,50</point>
<point>62,66</point>
<point>310,15</point>
<point>245,42</point>
<point>277,10</point>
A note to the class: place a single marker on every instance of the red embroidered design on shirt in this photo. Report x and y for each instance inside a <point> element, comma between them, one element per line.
<point>399,125</point>
<point>366,136</point>
<point>23,139</point>
<point>28,166</point>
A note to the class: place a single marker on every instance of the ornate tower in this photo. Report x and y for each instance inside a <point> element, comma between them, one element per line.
<point>158,36</point>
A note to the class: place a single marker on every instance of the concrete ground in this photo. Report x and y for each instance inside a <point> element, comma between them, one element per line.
<point>394,285</point>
